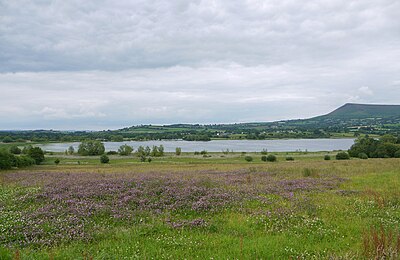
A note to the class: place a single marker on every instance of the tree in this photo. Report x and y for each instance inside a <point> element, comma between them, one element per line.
<point>71,150</point>
<point>6,160</point>
<point>264,158</point>
<point>7,139</point>
<point>178,151</point>
<point>37,154</point>
<point>91,147</point>
<point>388,139</point>
<point>125,150</point>
<point>104,159</point>
<point>327,157</point>
<point>57,161</point>
<point>15,150</point>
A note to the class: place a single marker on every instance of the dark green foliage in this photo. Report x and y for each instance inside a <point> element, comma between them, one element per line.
<point>178,151</point>
<point>149,160</point>
<point>289,158</point>
<point>37,154</point>
<point>6,160</point>
<point>264,158</point>
<point>248,158</point>
<point>125,150</point>
<point>157,151</point>
<point>57,161</point>
<point>15,150</point>
<point>342,156</point>
<point>363,156</point>
<point>71,150</point>
<point>117,138</point>
<point>203,152</point>
<point>327,157</point>
<point>7,139</point>
<point>112,153</point>
<point>397,154</point>
<point>199,137</point>
<point>104,159</point>
<point>91,147</point>
<point>271,158</point>
<point>385,147</point>
<point>264,151</point>
<point>23,161</point>
<point>196,153</point>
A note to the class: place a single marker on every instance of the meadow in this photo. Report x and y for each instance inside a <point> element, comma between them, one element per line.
<point>195,207</point>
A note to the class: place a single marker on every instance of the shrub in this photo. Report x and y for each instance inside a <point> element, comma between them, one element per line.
<point>57,161</point>
<point>112,153</point>
<point>264,151</point>
<point>289,158</point>
<point>178,151</point>
<point>248,158</point>
<point>91,147</point>
<point>271,158</point>
<point>203,152</point>
<point>37,154</point>
<point>397,154</point>
<point>15,150</point>
<point>327,157</point>
<point>363,156</point>
<point>264,158</point>
<point>8,139</point>
<point>24,161</point>
<point>6,160</point>
<point>71,150</point>
<point>342,156</point>
<point>104,159</point>
<point>149,160</point>
<point>196,153</point>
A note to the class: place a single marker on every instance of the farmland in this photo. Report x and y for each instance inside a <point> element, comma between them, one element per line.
<point>219,207</point>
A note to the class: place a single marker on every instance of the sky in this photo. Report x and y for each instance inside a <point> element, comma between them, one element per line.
<point>105,64</point>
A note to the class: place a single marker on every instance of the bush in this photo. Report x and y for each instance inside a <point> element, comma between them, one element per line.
<point>91,147</point>
<point>264,151</point>
<point>342,156</point>
<point>264,158</point>
<point>7,139</point>
<point>37,154</point>
<point>112,153</point>
<point>57,161</point>
<point>6,160</point>
<point>203,152</point>
<point>15,150</point>
<point>178,151</point>
<point>327,157</point>
<point>289,158</point>
<point>23,161</point>
<point>104,159</point>
<point>271,158</point>
<point>248,158</point>
<point>363,156</point>
<point>196,153</point>
<point>397,154</point>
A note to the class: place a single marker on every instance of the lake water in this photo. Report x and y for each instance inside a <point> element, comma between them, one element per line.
<point>283,145</point>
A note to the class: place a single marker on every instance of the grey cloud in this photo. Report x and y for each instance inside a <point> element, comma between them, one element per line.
<point>103,64</point>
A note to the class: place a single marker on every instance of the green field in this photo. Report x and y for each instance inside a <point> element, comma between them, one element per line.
<point>188,207</point>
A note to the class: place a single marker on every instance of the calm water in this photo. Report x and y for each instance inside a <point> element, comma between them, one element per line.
<point>287,145</point>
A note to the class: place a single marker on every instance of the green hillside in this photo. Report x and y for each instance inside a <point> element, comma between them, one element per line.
<point>360,111</point>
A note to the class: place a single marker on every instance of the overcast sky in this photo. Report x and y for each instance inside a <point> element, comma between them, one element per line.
<point>106,64</point>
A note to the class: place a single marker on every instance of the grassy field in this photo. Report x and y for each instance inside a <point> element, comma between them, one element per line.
<point>188,207</point>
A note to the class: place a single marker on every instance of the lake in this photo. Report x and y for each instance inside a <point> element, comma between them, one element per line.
<point>282,145</point>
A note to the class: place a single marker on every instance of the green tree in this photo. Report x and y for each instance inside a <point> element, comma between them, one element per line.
<point>178,151</point>
<point>271,158</point>
<point>71,150</point>
<point>91,147</point>
<point>37,154</point>
<point>7,139</point>
<point>248,158</point>
<point>6,160</point>
<point>125,150</point>
<point>15,150</point>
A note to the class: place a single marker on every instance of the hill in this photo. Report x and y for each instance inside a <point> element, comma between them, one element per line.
<point>363,111</point>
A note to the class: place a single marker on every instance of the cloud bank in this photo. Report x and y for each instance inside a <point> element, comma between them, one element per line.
<point>106,64</point>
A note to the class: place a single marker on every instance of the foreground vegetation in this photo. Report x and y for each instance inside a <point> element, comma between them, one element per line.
<point>189,206</point>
